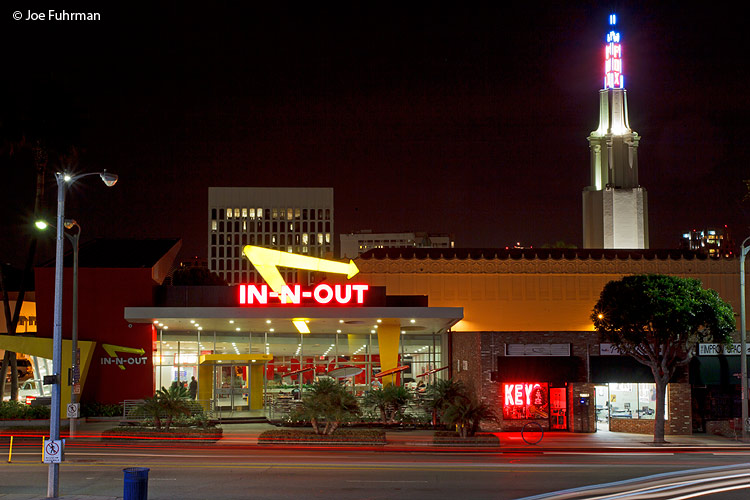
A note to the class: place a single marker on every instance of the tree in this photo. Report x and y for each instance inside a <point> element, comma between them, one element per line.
<point>326,406</point>
<point>466,413</point>
<point>151,407</point>
<point>441,394</point>
<point>658,320</point>
<point>390,400</point>
<point>174,402</point>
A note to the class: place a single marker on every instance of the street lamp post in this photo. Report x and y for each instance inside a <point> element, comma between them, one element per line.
<point>743,340</point>
<point>74,369</point>
<point>53,476</point>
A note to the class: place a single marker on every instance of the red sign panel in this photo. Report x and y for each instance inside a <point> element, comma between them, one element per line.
<point>525,400</point>
<point>323,294</point>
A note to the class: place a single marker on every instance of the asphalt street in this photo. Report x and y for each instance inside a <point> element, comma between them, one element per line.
<point>202,472</point>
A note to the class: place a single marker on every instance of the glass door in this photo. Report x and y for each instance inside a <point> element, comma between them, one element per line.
<point>231,390</point>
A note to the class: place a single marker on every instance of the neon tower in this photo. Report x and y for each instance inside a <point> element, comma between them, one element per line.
<point>615,210</point>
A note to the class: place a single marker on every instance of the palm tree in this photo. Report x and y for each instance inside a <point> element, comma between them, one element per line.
<point>390,401</point>
<point>174,401</point>
<point>442,393</point>
<point>466,413</point>
<point>326,405</point>
<point>151,407</point>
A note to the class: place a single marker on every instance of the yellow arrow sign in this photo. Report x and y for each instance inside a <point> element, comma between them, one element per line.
<point>112,350</point>
<point>267,261</point>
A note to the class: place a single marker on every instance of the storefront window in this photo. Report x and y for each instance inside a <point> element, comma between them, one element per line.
<point>525,401</point>
<point>630,400</point>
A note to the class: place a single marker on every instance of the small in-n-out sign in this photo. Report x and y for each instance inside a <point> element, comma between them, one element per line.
<point>294,295</point>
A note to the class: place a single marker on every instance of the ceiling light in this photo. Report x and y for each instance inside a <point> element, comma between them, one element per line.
<point>192,321</point>
<point>413,320</point>
<point>231,321</point>
<point>268,321</point>
<point>380,321</point>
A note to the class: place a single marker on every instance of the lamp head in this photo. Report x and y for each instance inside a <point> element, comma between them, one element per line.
<point>41,224</point>
<point>70,223</point>
<point>108,178</point>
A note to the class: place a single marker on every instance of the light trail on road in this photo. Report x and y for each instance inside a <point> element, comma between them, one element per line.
<point>668,486</point>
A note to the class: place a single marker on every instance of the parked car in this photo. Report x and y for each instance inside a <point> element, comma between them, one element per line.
<point>29,391</point>
<point>24,369</point>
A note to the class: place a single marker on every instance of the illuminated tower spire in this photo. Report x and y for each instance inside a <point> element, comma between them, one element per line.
<point>615,211</point>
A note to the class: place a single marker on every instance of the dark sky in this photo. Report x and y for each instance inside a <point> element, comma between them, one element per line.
<point>463,120</point>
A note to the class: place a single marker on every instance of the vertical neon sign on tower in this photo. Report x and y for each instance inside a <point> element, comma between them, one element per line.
<point>613,77</point>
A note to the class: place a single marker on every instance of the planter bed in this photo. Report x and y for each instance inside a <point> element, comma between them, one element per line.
<point>453,439</point>
<point>186,434</point>
<point>341,437</point>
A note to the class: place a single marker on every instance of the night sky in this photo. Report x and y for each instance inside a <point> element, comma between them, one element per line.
<point>463,120</point>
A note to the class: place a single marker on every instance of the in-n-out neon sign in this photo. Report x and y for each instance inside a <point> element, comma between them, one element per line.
<point>291,295</point>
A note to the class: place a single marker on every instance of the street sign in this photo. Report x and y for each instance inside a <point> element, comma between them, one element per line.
<point>74,410</point>
<point>53,451</point>
<point>77,388</point>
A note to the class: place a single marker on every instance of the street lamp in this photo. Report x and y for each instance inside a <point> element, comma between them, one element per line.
<point>74,368</point>
<point>743,340</point>
<point>63,180</point>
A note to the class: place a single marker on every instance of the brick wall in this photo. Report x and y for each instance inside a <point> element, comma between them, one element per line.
<point>680,416</point>
<point>581,419</point>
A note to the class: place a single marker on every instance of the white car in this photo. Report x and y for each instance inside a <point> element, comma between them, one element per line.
<point>30,391</point>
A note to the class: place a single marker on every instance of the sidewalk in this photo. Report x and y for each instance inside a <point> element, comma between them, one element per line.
<point>246,434</point>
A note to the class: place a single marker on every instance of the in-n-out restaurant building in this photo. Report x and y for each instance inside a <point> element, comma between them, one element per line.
<point>513,325</point>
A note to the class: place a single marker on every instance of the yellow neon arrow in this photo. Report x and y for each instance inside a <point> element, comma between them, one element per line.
<point>112,350</point>
<point>267,261</point>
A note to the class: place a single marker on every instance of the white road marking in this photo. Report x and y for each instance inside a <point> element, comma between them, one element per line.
<point>382,481</point>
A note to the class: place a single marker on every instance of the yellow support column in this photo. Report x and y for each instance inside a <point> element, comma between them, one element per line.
<point>389,335</point>
<point>205,384</point>
<point>256,387</point>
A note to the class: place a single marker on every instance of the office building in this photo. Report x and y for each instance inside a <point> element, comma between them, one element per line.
<point>298,220</point>
<point>354,244</point>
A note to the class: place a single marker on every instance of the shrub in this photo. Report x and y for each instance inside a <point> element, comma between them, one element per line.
<point>96,409</point>
<point>390,401</point>
<point>13,410</point>
<point>326,406</point>
<point>466,413</point>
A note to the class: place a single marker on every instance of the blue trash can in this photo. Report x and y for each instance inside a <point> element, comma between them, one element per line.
<point>136,483</point>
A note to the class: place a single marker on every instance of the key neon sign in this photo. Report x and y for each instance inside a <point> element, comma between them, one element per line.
<point>293,295</point>
<point>525,401</point>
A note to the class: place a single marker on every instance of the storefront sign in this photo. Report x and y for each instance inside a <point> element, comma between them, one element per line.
<point>294,295</point>
<point>528,400</point>
<point>537,349</point>
<point>116,358</point>
<point>718,349</point>
<point>609,350</point>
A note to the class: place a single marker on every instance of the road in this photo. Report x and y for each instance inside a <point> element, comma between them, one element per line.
<point>252,472</point>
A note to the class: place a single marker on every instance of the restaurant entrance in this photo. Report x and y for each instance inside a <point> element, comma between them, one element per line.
<point>233,382</point>
<point>231,390</point>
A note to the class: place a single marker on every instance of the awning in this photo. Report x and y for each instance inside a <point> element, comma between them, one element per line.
<point>237,359</point>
